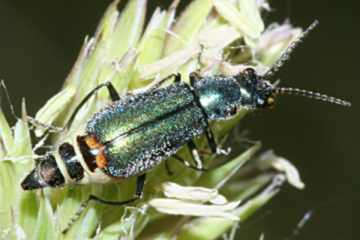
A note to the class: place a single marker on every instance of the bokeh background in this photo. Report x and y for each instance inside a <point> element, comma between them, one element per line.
<point>39,42</point>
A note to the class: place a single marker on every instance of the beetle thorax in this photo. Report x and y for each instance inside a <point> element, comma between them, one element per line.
<point>219,96</point>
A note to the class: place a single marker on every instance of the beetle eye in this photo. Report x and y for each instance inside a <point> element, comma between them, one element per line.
<point>233,111</point>
<point>249,71</point>
<point>270,102</point>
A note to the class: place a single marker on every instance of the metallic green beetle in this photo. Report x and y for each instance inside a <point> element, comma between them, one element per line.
<point>137,132</point>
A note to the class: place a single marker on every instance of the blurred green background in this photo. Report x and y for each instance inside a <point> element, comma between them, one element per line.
<point>41,39</point>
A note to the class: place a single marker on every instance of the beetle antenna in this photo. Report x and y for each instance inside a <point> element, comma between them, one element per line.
<point>286,54</point>
<point>310,94</point>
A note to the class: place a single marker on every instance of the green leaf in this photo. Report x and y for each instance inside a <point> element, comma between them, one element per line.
<point>5,135</point>
<point>8,192</point>
<point>54,107</point>
<point>22,140</point>
<point>251,10</point>
<point>123,53</point>
<point>128,29</point>
<point>152,43</point>
<point>125,36</point>
<point>126,227</point>
<point>45,226</point>
<point>240,19</point>
<point>188,25</point>
<point>28,213</point>
<point>115,37</point>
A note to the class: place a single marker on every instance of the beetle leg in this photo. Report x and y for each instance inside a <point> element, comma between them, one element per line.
<point>187,164</point>
<point>157,83</point>
<point>211,139</point>
<point>215,149</point>
<point>176,76</point>
<point>138,194</point>
<point>195,154</point>
<point>202,49</point>
<point>194,76</point>
<point>47,127</point>
<point>114,95</point>
<point>168,169</point>
<point>140,182</point>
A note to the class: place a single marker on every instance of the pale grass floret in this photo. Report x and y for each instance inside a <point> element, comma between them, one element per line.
<point>205,37</point>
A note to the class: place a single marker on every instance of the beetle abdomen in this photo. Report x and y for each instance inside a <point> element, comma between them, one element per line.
<point>142,148</point>
<point>132,111</point>
<point>138,132</point>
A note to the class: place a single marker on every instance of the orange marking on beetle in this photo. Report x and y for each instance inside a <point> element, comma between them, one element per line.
<point>92,142</point>
<point>100,158</point>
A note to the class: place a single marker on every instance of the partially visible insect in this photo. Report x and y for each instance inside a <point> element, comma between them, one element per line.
<point>137,132</point>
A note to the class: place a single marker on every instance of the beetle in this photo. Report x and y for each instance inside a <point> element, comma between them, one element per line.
<point>136,132</point>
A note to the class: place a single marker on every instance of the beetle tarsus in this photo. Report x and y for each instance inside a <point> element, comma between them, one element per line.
<point>187,164</point>
<point>138,194</point>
